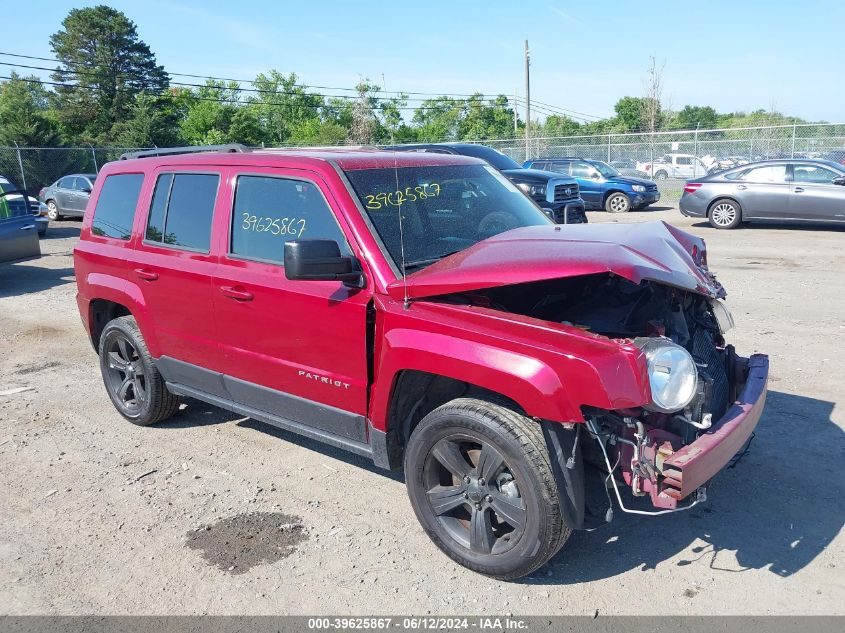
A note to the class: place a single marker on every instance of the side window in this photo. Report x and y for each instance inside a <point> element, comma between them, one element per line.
<point>769,173</point>
<point>115,208</point>
<point>79,184</point>
<point>270,211</point>
<point>683,160</point>
<point>813,174</point>
<point>561,167</point>
<point>582,170</point>
<point>66,182</point>
<point>182,210</point>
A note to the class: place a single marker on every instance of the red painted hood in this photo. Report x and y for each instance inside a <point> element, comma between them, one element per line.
<point>653,251</point>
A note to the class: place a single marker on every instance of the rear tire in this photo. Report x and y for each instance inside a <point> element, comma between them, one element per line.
<point>133,383</point>
<point>661,175</point>
<point>724,214</point>
<point>53,211</point>
<point>617,203</point>
<point>482,487</point>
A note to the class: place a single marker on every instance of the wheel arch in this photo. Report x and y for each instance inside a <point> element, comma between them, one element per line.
<point>719,199</point>
<point>610,192</point>
<point>110,298</point>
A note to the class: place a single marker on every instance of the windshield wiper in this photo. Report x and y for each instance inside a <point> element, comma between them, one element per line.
<point>431,260</point>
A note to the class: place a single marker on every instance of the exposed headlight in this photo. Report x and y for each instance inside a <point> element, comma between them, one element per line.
<point>638,188</point>
<point>533,190</point>
<point>723,316</point>
<point>672,374</point>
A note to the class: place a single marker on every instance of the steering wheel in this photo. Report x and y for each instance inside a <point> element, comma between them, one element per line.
<point>497,222</point>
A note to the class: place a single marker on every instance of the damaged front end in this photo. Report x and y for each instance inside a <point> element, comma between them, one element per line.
<point>706,400</point>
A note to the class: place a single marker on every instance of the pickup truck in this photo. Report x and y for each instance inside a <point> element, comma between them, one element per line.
<point>419,310</point>
<point>674,166</point>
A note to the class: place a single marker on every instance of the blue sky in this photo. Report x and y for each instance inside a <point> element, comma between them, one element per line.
<point>738,55</point>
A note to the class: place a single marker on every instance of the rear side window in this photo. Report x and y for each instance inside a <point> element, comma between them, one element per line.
<point>182,210</point>
<point>115,208</point>
<point>270,211</point>
<point>769,173</point>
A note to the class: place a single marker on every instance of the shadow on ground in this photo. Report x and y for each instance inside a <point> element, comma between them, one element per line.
<point>778,509</point>
<point>783,226</point>
<point>23,278</point>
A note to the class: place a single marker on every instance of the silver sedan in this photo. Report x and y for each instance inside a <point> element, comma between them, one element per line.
<point>772,190</point>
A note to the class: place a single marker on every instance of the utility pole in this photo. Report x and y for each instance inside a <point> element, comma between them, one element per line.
<point>515,116</point>
<point>527,103</point>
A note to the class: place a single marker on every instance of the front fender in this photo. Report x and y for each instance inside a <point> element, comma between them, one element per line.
<point>530,383</point>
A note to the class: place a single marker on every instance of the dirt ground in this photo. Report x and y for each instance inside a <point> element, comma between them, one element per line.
<point>211,513</point>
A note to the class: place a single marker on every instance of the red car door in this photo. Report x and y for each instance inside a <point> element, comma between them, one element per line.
<point>293,349</point>
<point>173,264</point>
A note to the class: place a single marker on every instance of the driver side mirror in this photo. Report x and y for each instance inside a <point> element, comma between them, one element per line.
<point>595,175</point>
<point>839,181</point>
<point>86,190</point>
<point>320,260</point>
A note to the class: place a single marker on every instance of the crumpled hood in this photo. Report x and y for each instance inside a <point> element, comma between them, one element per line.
<point>653,251</point>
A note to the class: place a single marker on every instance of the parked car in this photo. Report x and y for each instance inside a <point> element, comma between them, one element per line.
<point>15,203</point>
<point>628,167</point>
<point>837,156</point>
<point>415,308</point>
<point>602,187</point>
<point>18,231</point>
<point>68,196</point>
<point>783,190</point>
<point>559,194</point>
<point>674,166</point>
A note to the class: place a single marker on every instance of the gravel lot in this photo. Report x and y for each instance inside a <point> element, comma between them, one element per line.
<point>99,516</point>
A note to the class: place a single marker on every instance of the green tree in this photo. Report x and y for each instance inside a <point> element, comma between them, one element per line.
<point>282,106</point>
<point>557,125</point>
<point>209,113</point>
<point>439,119</point>
<point>104,65</point>
<point>630,114</point>
<point>151,122</point>
<point>486,120</point>
<point>25,121</point>
<point>692,117</point>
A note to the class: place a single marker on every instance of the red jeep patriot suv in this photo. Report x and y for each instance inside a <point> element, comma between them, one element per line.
<point>418,309</point>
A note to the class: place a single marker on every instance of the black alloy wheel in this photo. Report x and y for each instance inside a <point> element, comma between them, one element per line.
<point>480,481</point>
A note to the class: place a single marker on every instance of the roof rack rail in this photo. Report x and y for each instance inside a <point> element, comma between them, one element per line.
<point>194,149</point>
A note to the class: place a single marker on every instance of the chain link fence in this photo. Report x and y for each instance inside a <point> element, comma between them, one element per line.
<point>31,168</point>
<point>34,167</point>
<point>714,149</point>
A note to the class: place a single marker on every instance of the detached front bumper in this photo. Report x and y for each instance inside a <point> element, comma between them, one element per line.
<point>683,471</point>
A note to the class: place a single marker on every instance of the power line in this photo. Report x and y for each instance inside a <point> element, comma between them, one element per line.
<point>314,106</point>
<point>249,81</point>
<point>450,96</point>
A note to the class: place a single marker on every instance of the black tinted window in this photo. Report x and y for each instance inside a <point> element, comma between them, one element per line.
<point>155,221</point>
<point>272,211</point>
<point>182,210</point>
<point>116,206</point>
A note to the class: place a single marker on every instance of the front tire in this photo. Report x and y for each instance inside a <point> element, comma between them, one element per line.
<point>53,211</point>
<point>133,383</point>
<point>482,487</point>
<point>617,203</point>
<point>724,214</point>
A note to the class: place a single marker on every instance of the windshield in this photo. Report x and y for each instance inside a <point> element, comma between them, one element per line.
<point>445,209</point>
<point>604,169</point>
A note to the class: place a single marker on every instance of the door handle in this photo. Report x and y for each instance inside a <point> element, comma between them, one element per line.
<point>741,187</point>
<point>145,274</point>
<point>798,189</point>
<point>236,293</point>
<point>28,227</point>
